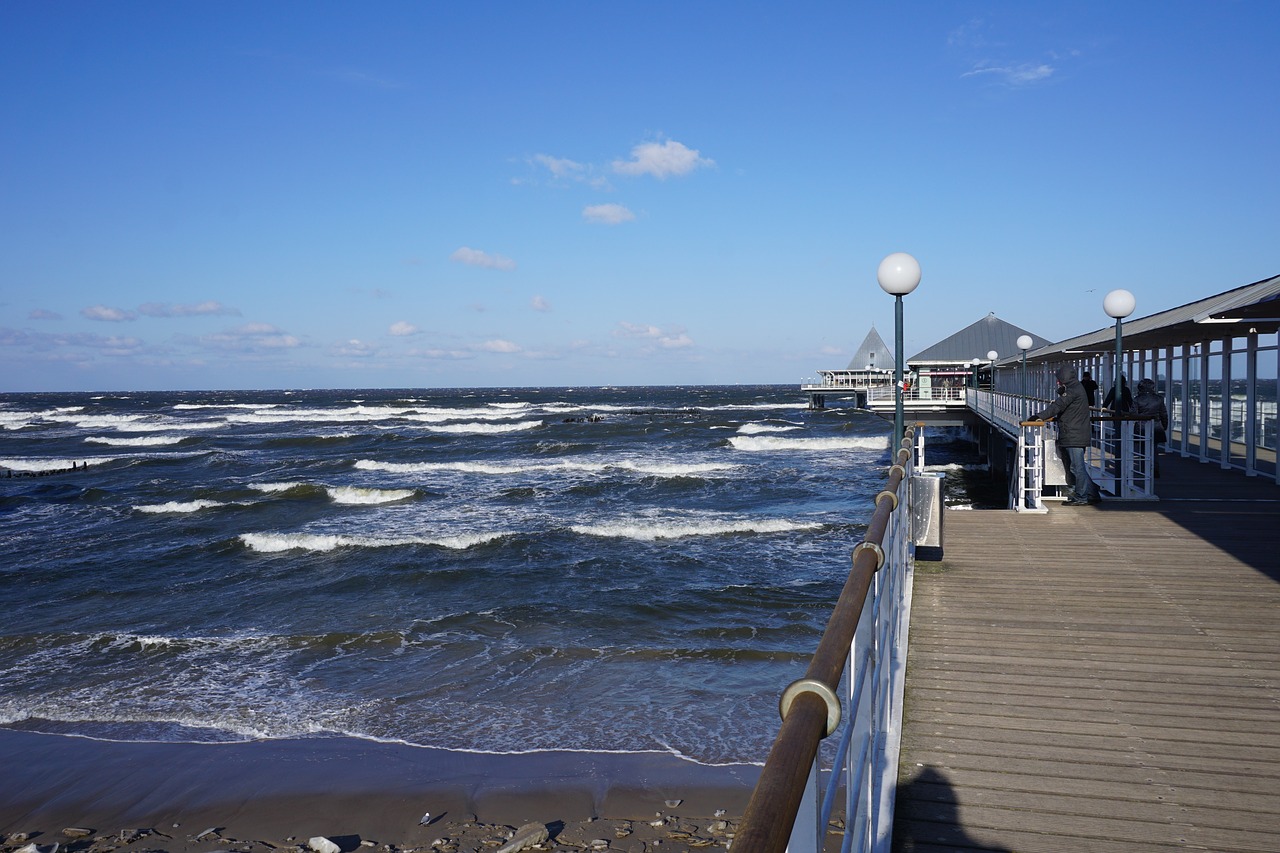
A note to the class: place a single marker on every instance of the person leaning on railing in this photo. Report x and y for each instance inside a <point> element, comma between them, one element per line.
<point>1071,410</point>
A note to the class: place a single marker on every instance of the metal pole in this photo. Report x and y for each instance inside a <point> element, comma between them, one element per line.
<point>1024,385</point>
<point>1115,404</point>
<point>897,356</point>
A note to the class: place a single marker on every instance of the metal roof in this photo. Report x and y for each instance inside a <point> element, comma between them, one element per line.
<point>873,354</point>
<point>1235,313</point>
<point>975,341</point>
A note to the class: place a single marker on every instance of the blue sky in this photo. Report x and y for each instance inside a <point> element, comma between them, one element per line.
<point>429,194</point>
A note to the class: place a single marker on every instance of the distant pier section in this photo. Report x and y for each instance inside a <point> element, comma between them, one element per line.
<point>871,367</point>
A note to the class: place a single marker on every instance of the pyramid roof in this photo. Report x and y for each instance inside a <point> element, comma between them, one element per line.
<point>873,353</point>
<point>975,341</point>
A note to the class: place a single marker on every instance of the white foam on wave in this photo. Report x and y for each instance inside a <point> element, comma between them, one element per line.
<point>677,528</point>
<point>651,469</point>
<point>179,506</point>
<point>756,428</point>
<point>145,441</point>
<point>226,405</point>
<point>272,488</point>
<point>99,421</point>
<point>162,426</point>
<point>53,464</point>
<point>272,543</point>
<point>365,496</point>
<point>478,428</point>
<point>769,442</point>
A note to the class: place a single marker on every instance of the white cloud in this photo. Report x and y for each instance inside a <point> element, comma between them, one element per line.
<point>668,339</point>
<point>401,329</point>
<point>209,307</point>
<point>661,159</point>
<point>537,303</point>
<point>609,214</point>
<point>675,341</point>
<point>636,330</point>
<point>107,314</point>
<point>1014,75</point>
<point>354,348</point>
<point>559,167</point>
<point>42,314</point>
<point>477,258</point>
<point>441,354</point>
<point>500,346</point>
<point>252,336</point>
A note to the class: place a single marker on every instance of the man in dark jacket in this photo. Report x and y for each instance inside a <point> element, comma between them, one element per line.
<point>1071,410</point>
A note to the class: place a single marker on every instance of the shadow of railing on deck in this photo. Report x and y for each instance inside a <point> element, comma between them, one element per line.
<point>927,816</point>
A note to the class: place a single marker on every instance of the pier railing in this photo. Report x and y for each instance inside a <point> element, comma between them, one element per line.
<point>853,688</point>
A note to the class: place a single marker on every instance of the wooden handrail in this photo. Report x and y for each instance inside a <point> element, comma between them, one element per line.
<point>771,813</point>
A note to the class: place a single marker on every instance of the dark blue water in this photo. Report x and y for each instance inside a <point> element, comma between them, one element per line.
<point>497,570</point>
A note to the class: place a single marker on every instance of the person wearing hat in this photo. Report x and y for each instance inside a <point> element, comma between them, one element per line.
<point>1071,411</point>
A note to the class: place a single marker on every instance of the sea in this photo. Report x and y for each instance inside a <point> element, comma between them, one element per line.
<point>484,570</point>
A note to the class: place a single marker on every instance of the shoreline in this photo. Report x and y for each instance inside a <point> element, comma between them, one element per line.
<point>261,795</point>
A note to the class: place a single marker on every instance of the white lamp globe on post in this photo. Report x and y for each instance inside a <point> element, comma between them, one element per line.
<point>1118,304</point>
<point>1024,344</point>
<point>898,275</point>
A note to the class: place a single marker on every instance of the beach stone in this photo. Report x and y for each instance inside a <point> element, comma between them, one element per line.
<point>600,844</point>
<point>320,844</point>
<point>30,848</point>
<point>77,832</point>
<point>525,837</point>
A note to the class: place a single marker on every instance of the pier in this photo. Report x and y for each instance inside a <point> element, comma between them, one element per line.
<point>1106,679</point>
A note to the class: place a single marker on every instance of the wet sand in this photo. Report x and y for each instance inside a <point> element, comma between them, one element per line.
<point>360,794</point>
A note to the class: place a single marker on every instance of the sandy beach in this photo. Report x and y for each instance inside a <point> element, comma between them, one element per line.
<point>269,795</point>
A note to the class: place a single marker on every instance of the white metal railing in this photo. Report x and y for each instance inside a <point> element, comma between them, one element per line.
<point>1029,477</point>
<point>866,756</point>
<point>865,712</point>
<point>1120,456</point>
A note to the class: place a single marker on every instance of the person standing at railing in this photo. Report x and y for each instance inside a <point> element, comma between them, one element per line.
<point>1126,398</point>
<point>1090,387</point>
<point>1071,411</point>
<point>1150,404</point>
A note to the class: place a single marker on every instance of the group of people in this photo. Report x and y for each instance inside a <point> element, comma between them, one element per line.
<point>1071,409</point>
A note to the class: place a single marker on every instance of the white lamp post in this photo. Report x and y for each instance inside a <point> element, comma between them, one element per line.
<point>976,361</point>
<point>898,275</point>
<point>1118,304</point>
<point>992,355</point>
<point>1024,344</point>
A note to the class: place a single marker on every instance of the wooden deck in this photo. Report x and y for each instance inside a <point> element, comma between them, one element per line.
<point>1099,678</point>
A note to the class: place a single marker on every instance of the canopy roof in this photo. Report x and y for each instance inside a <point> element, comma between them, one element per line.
<point>1235,313</point>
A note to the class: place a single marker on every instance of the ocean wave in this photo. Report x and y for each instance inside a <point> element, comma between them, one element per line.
<point>768,442</point>
<point>652,469</point>
<point>272,543</point>
<point>53,464</point>
<point>178,506</point>
<point>478,428</point>
<point>146,441</point>
<point>99,421</point>
<point>756,428</point>
<point>357,495</point>
<point>274,488</point>
<point>676,528</point>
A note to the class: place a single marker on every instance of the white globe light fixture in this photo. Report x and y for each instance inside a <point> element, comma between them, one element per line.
<point>1118,304</point>
<point>898,274</point>
<point>1024,344</point>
